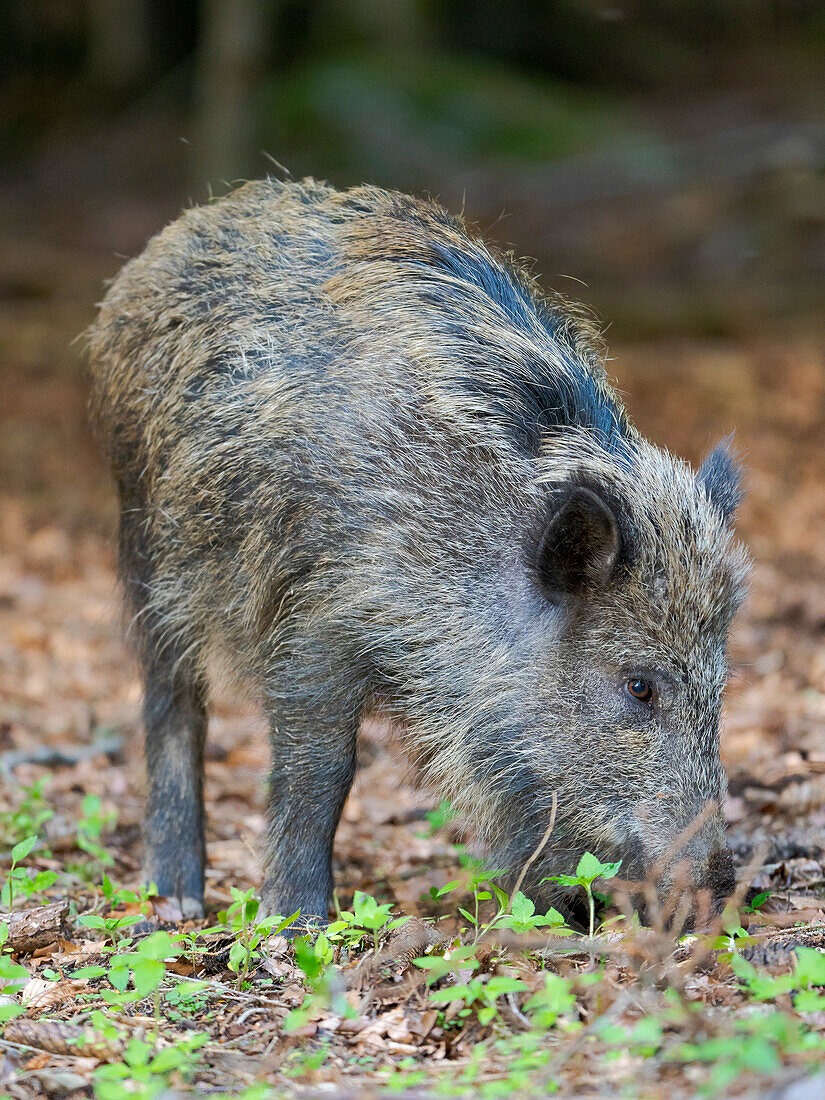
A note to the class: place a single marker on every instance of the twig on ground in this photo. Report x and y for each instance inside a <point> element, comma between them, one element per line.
<point>537,851</point>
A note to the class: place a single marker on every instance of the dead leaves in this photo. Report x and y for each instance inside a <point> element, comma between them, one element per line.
<point>40,996</point>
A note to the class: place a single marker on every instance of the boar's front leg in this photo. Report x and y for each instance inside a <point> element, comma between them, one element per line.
<point>313,730</point>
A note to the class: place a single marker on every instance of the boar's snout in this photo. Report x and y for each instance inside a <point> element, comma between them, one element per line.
<point>693,891</point>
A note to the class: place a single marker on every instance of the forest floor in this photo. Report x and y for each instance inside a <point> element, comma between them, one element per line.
<point>629,1012</point>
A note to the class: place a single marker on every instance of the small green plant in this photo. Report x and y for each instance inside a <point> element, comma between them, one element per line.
<point>93,822</point>
<point>460,958</point>
<point>28,817</point>
<point>588,870</point>
<point>807,977</point>
<point>145,966</point>
<point>521,917</point>
<point>19,880</point>
<point>188,998</point>
<point>552,1003</point>
<point>755,1044</point>
<point>756,902</point>
<point>367,917</point>
<point>145,1073</point>
<point>299,1063</point>
<point>116,896</point>
<point>313,960</point>
<point>481,993</point>
<point>483,888</point>
<point>12,978</point>
<point>112,926</point>
<point>241,918</point>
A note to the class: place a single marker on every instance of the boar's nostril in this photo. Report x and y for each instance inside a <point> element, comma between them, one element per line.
<point>720,878</point>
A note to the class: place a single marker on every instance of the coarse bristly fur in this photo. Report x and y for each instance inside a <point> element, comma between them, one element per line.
<point>359,454</point>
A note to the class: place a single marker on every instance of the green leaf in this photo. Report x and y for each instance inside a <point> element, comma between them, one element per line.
<point>521,907</point>
<point>810,966</point>
<point>757,902</point>
<point>169,1059</point>
<point>238,956</point>
<point>451,993</point>
<point>119,973</point>
<point>809,1001</point>
<point>429,962</point>
<point>504,984</point>
<point>590,868</point>
<point>113,998</point>
<point>397,923</point>
<point>147,974</point>
<point>563,880</point>
<point>21,850</point>
<point>90,972</point>
<point>447,888</point>
<point>91,920</point>
<point>282,923</point>
<point>137,1053</point>
<point>501,896</point>
<point>160,945</point>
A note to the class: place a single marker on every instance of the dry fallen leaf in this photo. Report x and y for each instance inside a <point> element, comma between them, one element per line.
<point>39,995</point>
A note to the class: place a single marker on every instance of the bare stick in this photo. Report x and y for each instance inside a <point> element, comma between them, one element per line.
<point>539,849</point>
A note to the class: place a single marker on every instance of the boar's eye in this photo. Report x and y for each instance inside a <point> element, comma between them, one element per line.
<point>640,689</point>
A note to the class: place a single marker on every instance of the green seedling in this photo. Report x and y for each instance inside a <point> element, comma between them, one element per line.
<point>460,958</point>
<point>145,1073</point>
<point>12,978</point>
<point>18,879</point>
<point>300,1063</point>
<point>145,966</point>
<point>483,888</point>
<point>588,870</point>
<point>241,918</point>
<point>366,917</point>
<point>28,818</point>
<point>188,996</point>
<point>808,976</point>
<point>522,917</point>
<point>436,893</point>
<point>91,826</point>
<point>757,1045</point>
<point>313,960</point>
<point>481,993</point>
<point>554,1002</point>
<point>112,925</point>
<point>756,902</point>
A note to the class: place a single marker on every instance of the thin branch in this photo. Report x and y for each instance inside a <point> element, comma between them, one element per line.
<point>539,849</point>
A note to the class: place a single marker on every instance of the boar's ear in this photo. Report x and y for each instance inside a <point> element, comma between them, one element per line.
<point>720,476</point>
<point>580,545</point>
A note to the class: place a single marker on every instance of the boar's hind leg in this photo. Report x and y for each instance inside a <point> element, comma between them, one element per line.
<point>313,764</point>
<point>174,716</point>
<point>174,719</point>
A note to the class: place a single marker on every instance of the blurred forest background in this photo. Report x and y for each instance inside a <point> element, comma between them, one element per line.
<point>669,153</point>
